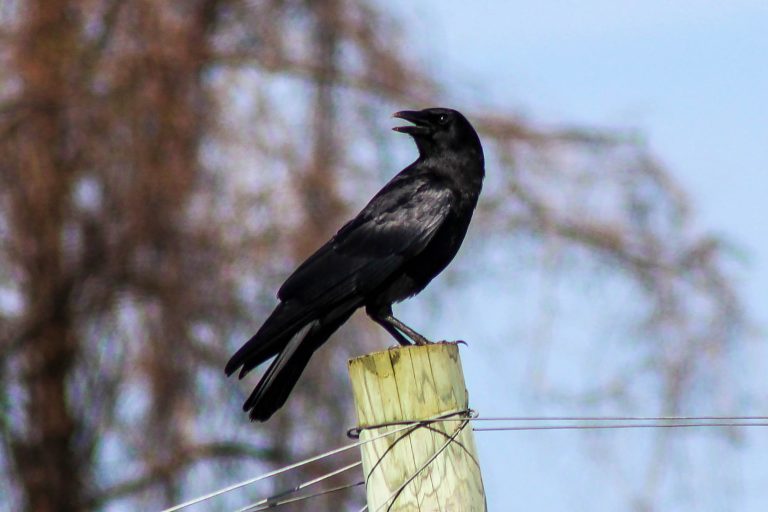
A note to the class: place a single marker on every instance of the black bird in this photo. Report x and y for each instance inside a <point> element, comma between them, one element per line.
<point>405,236</point>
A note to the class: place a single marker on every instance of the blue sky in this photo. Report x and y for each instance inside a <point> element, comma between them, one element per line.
<point>692,77</point>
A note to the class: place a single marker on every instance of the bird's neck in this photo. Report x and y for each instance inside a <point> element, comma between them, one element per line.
<point>464,168</point>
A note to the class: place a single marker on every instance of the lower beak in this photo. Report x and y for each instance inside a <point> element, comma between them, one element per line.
<point>419,126</point>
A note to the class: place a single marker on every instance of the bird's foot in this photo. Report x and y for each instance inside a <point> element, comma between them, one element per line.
<point>454,342</point>
<point>420,340</point>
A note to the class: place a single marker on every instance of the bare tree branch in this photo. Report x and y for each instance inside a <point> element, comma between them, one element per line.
<point>192,455</point>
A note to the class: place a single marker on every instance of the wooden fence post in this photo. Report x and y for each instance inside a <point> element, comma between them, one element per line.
<point>426,467</point>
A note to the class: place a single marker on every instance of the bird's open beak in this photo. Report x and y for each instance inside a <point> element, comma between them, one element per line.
<point>420,123</point>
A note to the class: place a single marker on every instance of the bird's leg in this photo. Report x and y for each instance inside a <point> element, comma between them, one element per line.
<point>416,337</point>
<point>383,317</point>
<point>378,316</point>
<point>402,340</point>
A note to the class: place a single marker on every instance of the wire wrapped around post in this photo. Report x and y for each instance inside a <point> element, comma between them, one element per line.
<point>433,465</point>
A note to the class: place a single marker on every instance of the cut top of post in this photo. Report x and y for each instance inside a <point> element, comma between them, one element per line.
<point>408,383</point>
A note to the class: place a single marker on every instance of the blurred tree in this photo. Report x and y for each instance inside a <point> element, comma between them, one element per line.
<point>164,164</point>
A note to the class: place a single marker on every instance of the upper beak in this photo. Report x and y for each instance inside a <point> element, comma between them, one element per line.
<point>420,124</point>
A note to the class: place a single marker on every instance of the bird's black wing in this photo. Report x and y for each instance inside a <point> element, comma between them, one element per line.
<point>370,249</point>
<point>395,225</point>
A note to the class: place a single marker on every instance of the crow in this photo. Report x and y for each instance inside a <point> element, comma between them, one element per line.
<point>404,237</point>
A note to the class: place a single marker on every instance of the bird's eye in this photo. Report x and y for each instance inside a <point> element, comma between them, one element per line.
<point>442,119</point>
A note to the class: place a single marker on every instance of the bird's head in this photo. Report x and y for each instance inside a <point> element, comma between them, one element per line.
<point>438,129</point>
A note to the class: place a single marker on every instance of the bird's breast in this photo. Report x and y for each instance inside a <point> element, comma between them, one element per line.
<point>439,252</point>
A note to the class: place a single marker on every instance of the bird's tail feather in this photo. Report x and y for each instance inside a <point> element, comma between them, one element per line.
<point>280,378</point>
<point>276,333</point>
<point>277,383</point>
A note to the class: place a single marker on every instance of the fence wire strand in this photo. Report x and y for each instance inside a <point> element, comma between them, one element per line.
<point>306,497</point>
<point>279,471</point>
<point>275,500</point>
<point>399,428</point>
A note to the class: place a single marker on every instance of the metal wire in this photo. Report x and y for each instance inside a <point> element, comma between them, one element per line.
<point>238,485</point>
<point>394,495</point>
<point>473,416</point>
<point>619,426</point>
<point>399,490</point>
<point>274,500</point>
<point>354,433</point>
<point>612,418</point>
<point>308,496</point>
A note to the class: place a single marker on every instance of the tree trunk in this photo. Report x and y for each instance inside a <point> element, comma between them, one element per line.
<point>48,458</point>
